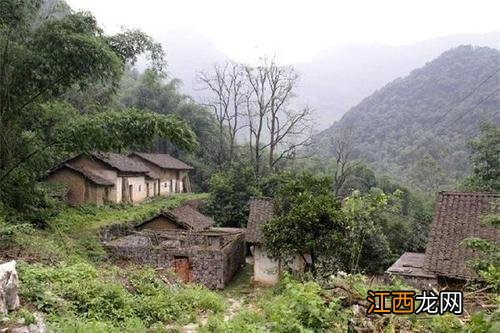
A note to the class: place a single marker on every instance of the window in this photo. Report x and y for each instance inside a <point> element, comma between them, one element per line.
<point>139,188</point>
<point>165,184</point>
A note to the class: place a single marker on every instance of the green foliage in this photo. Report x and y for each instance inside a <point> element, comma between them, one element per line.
<point>485,161</point>
<point>367,242</point>
<point>419,115</point>
<point>488,266</point>
<point>309,220</point>
<point>374,225</point>
<point>153,92</point>
<point>73,232</point>
<point>292,307</point>
<point>230,192</point>
<point>42,62</point>
<point>99,298</point>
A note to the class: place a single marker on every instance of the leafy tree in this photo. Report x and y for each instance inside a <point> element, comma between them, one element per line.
<point>230,192</point>
<point>39,64</point>
<point>155,92</point>
<point>309,221</point>
<point>485,161</point>
<point>364,215</point>
<point>488,267</point>
<point>428,174</point>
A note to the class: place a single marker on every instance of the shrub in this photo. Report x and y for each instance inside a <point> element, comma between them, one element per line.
<point>78,298</point>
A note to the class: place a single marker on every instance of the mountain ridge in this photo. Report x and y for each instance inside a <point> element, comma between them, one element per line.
<point>419,114</point>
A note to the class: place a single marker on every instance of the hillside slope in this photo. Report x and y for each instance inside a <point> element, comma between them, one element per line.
<point>425,112</point>
<point>340,77</point>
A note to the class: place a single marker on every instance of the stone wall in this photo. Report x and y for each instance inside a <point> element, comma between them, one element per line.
<point>214,257</point>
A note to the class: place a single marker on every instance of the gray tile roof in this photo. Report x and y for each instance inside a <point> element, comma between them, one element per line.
<point>164,161</point>
<point>121,162</point>
<point>261,211</point>
<point>185,216</point>
<point>410,264</point>
<point>91,176</point>
<point>459,216</point>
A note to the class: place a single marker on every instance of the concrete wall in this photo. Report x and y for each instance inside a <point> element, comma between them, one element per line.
<point>266,271</point>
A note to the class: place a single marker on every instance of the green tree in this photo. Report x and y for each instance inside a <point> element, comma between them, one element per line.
<point>427,174</point>
<point>488,267</point>
<point>309,221</point>
<point>485,161</point>
<point>367,242</point>
<point>39,64</point>
<point>230,192</point>
<point>155,92</point>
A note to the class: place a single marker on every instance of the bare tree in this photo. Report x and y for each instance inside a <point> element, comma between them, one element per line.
<point>344,163</point>
<point>227,96</point>
<point>273,123</point>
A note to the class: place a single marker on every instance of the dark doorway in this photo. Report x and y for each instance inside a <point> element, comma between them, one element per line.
<point>130,190</point>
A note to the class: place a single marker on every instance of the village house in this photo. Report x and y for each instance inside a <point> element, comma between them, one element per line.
<point>446,259</point>
<point>184,217</point>
<point>109,177</point>
<point>102,177</point>
<point>266,271</point>
<point>172,174</point>
<point>183,240</point>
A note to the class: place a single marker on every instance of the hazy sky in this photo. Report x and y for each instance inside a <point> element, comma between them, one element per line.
<point>294,31</point>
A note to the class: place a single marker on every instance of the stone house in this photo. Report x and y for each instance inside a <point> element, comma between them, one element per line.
<point>447,260</point>
<point>103,177</point>
<point>172,174</point>
<point>266,271</point>
<point>184,217</point>
<point>186,244</point>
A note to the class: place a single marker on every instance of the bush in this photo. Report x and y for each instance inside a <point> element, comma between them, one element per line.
<point>79,298</point>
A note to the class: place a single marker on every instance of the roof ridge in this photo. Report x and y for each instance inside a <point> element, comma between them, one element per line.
<point>469,193</point>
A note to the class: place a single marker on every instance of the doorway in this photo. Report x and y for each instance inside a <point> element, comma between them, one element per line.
<point>182,268</point>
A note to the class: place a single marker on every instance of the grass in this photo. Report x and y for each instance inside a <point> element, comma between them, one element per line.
<point>64,275</point>
<point>73,233</point>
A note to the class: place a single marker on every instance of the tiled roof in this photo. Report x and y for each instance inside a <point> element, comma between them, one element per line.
<point>121,162</point>
<point>410,264</point>
<point>93,177</point>
<point>164,161</point>
<point>459,216</point>
<point>185,216</point>
<point>261,211</point>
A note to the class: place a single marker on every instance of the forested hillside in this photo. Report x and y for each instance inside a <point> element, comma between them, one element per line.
<point>420,125</point>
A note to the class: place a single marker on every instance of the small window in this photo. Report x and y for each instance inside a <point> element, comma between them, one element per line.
<point>165,184</point>
<point>139,188</point>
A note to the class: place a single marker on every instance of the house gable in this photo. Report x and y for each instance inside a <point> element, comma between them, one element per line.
<point>161,223</point>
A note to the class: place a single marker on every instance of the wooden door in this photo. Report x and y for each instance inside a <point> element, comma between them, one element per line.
<point>182,268</point>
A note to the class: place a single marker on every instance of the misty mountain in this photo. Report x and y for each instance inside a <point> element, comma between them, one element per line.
<point>423,113</point>
<point>336,79</point>
<point>341,77</point>
<point>189,52</point>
